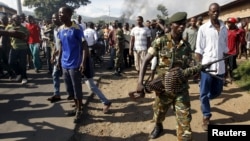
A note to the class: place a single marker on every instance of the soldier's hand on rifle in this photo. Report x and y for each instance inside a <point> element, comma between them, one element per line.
<point>140,88</point>
<point>205,66</point>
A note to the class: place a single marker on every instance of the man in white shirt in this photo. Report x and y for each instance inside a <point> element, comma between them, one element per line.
<point>127,58</point>
<point>91,37</point>
<point>139,43</point>
<point>211,45</point>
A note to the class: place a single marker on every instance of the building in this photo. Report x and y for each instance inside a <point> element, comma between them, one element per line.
<point>4,9</point>
<point>237,8</point>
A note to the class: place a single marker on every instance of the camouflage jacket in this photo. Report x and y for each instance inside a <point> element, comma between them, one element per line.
<point>120,39</point>
<point>165,49</point>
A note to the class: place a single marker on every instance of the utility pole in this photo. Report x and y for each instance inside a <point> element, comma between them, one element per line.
<point>109,13</point>
<point>19,7</point>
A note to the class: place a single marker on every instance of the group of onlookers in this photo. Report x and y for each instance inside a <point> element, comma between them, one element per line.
<point>208,42</point>
<point>24,53</point>
<point>72,48</point>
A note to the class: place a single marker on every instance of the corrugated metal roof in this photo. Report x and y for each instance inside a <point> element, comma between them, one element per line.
<point>3,4</point>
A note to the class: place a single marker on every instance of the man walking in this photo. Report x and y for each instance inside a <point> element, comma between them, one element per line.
<point>211,45</point>
<point>34,42</point>
<point>171,49</point>
<point>140,42</point>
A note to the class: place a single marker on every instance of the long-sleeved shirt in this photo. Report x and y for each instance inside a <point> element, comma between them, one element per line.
<point>212,45</point>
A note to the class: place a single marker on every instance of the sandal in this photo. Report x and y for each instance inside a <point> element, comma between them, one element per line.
<point>54,99</point>
<point>106,107</point>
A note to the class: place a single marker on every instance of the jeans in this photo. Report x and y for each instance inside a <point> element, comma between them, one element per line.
<point>56,80</point>
<point>210,88</point>
<point>17,61</point>
<point>112,57</point>
<point>92,86</point>
<point>73,82</point>
<point>34,48</point>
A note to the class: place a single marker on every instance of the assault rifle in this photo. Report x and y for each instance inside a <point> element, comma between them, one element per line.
<point>157,84</point>
<point>205,66</point>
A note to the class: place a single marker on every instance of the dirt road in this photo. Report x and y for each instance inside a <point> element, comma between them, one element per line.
<point>132,121</point>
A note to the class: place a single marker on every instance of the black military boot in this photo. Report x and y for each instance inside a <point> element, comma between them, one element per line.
<point>157,131</point>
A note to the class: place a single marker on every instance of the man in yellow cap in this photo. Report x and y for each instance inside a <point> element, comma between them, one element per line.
<point>171,48</point>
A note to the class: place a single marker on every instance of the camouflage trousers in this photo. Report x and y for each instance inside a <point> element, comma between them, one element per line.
<point>181,102</point>
<point>118,57</point>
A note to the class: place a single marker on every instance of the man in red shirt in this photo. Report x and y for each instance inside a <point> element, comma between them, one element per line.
<point>233,46</point>
<point>34,41</point>
<point>243,43</point>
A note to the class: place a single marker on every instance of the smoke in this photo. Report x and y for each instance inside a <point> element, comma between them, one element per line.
<point>148,8</point>
<point>133,8</point>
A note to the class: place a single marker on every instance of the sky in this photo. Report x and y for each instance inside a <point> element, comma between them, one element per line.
<point>133,8</point>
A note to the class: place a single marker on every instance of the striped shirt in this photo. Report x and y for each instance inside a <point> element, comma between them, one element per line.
<point>141,34</point>
<point>15,42</point>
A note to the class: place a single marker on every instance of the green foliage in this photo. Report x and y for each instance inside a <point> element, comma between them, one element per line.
<point>45,8</point>
<point>101,22</point>
<point>242,75</point>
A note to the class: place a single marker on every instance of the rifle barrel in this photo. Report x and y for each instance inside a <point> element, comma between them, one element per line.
<point>224,58</point>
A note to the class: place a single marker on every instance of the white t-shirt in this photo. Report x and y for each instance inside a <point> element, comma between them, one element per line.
<point>90,36</point>
<point>141,34</point>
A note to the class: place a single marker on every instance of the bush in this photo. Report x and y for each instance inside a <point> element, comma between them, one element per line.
<point>242,75</point>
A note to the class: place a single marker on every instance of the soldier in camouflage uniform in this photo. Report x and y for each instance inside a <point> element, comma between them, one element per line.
<point>169,49</point>
<point>119,47</point>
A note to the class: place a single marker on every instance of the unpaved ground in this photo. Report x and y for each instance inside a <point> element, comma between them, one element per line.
<point>132,121</point>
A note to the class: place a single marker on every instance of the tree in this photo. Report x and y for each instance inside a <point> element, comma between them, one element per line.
<point>164,12</point>
<point>45,8</point>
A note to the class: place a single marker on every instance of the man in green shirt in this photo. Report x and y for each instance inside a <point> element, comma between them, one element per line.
<point>18,52</point>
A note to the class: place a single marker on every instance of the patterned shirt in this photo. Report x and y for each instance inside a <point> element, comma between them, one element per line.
<point>71,41</point>
<point>141,34</point>
<point>15,42</point>
<point>119,38</point>
<point>166,50</point>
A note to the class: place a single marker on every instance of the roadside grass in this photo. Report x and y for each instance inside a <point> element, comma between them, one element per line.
<point>242,75</point>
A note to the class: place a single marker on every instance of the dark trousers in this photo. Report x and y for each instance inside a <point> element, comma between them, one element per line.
<point>112,57</point>
<point>128,59</point>
<point>18,61</point>
<point>4,65</point>
<point>73,82</point>
<point>48,58</point>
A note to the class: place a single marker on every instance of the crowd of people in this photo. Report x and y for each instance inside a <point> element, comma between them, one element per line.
<point>73,47</point>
